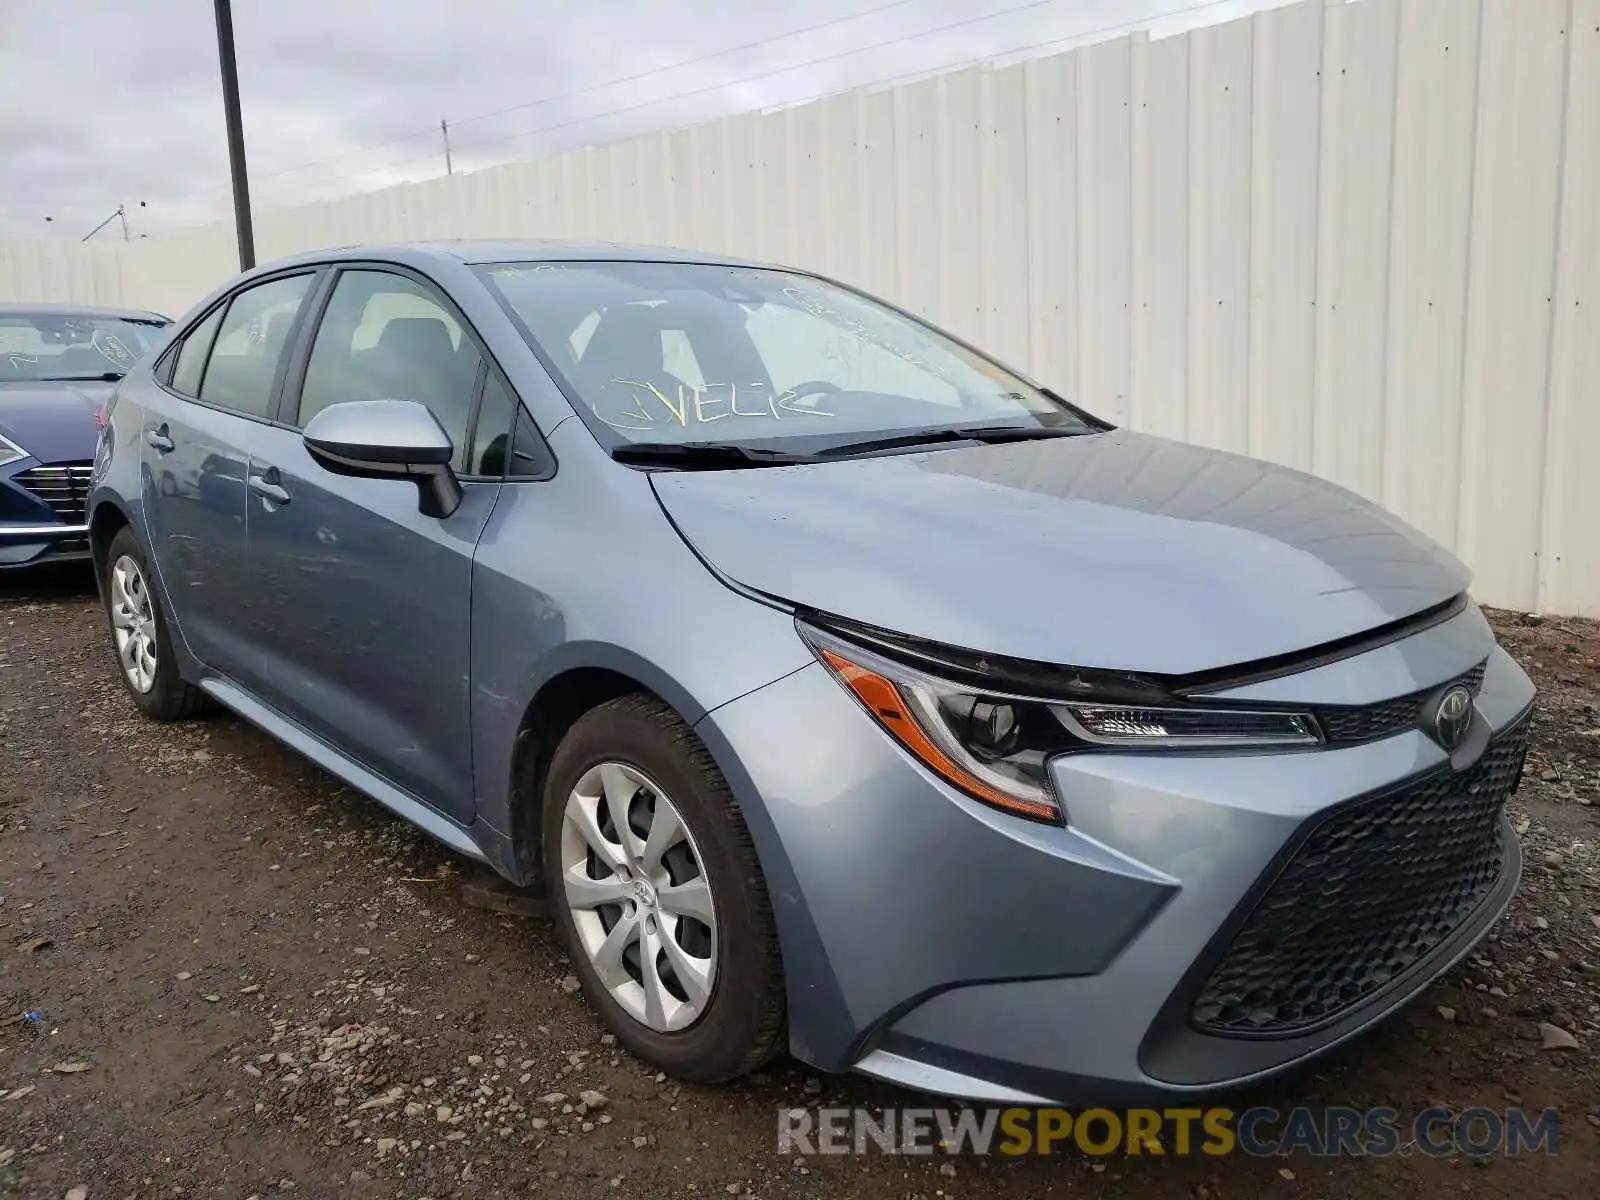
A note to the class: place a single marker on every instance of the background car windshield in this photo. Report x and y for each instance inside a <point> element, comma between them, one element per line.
<point>675,352</point>
<point>36,346</point>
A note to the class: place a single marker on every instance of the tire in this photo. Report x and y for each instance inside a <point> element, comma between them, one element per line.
<point>741,1023</point>
<point>168,697</point>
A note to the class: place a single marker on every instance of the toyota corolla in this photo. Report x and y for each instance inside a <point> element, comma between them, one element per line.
<point>850,693</point>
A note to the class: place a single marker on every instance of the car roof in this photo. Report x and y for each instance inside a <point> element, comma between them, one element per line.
<point>21,309</point>
<point>478,252</point>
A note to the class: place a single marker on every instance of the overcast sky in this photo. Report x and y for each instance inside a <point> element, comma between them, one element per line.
<point>107,102</point>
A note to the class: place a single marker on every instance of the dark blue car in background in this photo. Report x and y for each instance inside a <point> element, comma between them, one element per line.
<point>58,365</point>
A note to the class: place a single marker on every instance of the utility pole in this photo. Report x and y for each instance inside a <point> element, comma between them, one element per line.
<point>119,213</point>
<point>230,105</point>
<point>445,129</point>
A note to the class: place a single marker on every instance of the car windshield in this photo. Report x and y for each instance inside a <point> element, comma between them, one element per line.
<point>670,354</point>
<point>67,345</point>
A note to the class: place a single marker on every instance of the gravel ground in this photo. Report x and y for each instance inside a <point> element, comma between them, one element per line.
<point>250,980</point>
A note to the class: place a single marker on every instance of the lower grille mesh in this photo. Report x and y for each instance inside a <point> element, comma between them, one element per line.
<point>1372,891</point>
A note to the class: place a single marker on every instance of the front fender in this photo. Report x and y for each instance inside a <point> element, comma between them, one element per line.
<point>585,571</point>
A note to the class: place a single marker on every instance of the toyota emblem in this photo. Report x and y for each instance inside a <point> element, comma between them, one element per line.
<point>1453,717</point>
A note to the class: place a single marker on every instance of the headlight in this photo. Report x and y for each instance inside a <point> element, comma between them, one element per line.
<point>10,452</point>
<point>994,744</point>
<point>1123,725</point>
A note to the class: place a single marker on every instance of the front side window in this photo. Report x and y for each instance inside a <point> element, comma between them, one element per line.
<point>68,346</point>
<point>696,353</point>
<point>242,372</point>
<point>385,337</point>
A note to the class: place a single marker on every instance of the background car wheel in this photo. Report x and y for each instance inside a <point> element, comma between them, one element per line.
<point>658,894</point>
<point>140,643</point>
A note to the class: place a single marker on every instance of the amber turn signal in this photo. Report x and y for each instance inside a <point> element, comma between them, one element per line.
<point>883,699</point>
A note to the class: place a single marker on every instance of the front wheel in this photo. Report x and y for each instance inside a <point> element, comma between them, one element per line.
<point>659,896</point>
<point>139,637</point>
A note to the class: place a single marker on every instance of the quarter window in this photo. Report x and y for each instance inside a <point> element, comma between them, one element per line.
<point>242,373</point>
<point>191,362</point>
<point>491,439</point>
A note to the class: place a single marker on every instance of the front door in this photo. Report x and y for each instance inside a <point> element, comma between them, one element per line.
<point>195,456</point>
<point>362,605</point>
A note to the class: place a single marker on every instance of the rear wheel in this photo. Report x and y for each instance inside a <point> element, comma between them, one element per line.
<point>659,896</point>
<point>139,637</point>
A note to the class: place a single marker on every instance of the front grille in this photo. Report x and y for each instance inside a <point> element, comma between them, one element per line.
<point>1373,889</point>
<point>1366,723</point>
<point>64,487</point>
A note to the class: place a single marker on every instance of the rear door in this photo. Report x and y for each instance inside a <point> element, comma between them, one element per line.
<point>217,391</point>
<point>363,604</point>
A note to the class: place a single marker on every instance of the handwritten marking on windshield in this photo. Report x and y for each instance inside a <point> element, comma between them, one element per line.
<point>815,304</point>
<point>647,421</point>
<point>704,405</point>
<point>532,269</point>
<point>112,348</point>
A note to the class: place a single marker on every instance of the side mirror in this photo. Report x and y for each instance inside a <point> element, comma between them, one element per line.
<point>388,439</point>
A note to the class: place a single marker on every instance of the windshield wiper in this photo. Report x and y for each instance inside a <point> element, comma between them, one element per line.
<point>703,456</point>
<point>102,377</point>
<point>717,456</point>
<point>989,434</point>
<point>1020,433</point>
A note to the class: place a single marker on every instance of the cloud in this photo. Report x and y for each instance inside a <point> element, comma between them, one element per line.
<point>104,102</point>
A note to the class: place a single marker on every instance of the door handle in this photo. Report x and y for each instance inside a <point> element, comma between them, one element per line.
<point>267,490</point>
<point>159,440</point>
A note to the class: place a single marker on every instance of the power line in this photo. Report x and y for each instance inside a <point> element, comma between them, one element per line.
<point>49,205</point>
<point>869,12</point>
<point>727,83</point>
<point>1075,37</point>
<point>1123,27</point>
<point>610,83</point>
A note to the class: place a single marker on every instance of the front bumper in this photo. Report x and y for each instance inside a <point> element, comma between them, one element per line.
<point>37,546</point>
<point>937,943</point>
<point>43,514</point>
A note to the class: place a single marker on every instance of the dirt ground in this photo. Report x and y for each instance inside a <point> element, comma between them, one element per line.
<point>248,980</point>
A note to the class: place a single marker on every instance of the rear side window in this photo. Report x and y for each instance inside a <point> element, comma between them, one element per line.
<point>242,372</point>
<point>191,363</point>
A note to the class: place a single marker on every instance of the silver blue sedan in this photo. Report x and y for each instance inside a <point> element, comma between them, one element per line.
<point>849,693</point>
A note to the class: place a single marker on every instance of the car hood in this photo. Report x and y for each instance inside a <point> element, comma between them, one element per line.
<point>54,422</point>
<point>1114,550</point>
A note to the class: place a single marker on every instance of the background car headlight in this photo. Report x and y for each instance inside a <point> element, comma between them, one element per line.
<point>10,452</point>
<point>995,745</point>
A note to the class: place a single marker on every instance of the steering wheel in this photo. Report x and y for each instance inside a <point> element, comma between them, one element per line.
<point>811,387</point>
